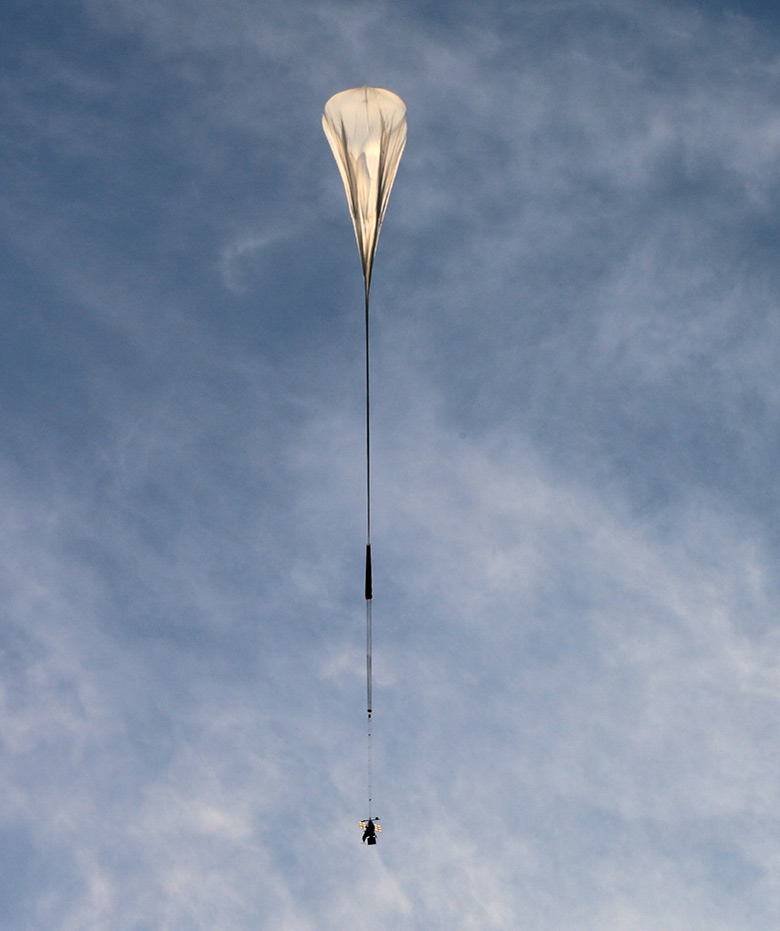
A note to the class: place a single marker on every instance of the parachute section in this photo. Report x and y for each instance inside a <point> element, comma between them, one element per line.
<point>366,129</point>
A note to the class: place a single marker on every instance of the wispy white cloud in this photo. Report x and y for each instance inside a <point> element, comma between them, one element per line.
<point>575,393</point>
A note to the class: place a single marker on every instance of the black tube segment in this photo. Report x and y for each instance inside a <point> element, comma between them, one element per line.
<point>369,582</point>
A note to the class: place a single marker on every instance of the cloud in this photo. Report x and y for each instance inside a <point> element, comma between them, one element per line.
<point>239,257</point>
<point>576,658</point>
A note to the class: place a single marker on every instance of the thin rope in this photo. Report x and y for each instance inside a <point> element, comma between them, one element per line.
<point>369,572</point>
<point>369,697</point>
<point>370,768</point>
<point>368,432</point>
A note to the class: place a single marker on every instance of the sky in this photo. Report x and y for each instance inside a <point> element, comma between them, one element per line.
<point>575,437</point>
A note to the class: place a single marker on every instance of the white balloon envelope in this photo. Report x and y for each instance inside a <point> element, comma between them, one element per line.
<point>366,129</point>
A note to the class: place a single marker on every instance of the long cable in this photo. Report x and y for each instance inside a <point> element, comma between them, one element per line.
<point>370,769</point>
<point>369,574</point>
<point>368,440</point>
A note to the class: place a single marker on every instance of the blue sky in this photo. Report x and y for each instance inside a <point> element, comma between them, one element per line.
<point>575,438</point>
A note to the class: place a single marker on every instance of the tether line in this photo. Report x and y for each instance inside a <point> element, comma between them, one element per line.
<point>370,768</point>
<point>369,573</point>
<point>368,437</point>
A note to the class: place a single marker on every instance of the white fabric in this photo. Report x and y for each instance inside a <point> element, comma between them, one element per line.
<point>366,129</point>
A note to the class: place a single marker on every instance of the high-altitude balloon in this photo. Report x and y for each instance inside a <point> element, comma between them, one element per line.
<point>366,129</point>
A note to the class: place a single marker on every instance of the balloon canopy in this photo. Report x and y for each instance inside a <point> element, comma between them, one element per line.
<point>366,129</point>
